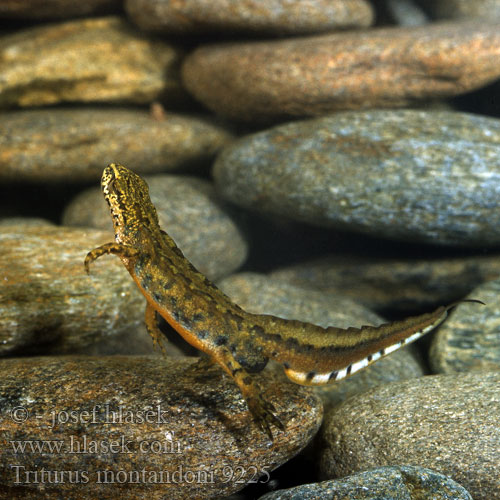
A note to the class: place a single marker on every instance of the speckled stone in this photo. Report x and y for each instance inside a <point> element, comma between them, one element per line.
<point>47,301</point>
<point>55,9</point>
<point>198,422</point>
<point>272,17</point>
<point>263,295</point>
<point>24,221</point>
<point>92,60</point>
<point>470,339</point>
<point>394,284</point>
<point>263,81</point>
<point>188,210</point>
<point>466,9</point>
<point>394,483</point>
<point>447,423</point>
<point>409,175</point>
<point>73,145</point>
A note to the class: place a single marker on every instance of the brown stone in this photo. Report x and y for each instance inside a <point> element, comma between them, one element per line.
<point>55,9</point>
<point>390,67</point>
<point>92,60</point>
<point>198,431</point>
<point>47,301</point>
<point>71,145</point>
<point>255,16</point>
<point>447,423</point>
<point>188,210</point>
<point>395,284</point>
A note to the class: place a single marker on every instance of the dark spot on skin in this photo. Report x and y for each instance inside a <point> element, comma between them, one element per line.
<point>310,375</point>
<point>291,343</point>
<point>157,297</point>
<point>234,372</point>
<point>349,368</point>
<point>167,285</point>
<point>147,279</point>
<point>220,340</point>
<point>232,348</point>
<point>274,354</point>
<point>403,341</point>
<point>286,366</point>
<point>198,317</point>
<point>247,381</point>
<point>381,352</point>
<point>258,330</point>
<point>369,358</point>
<point>333,375</point>
<point>202,334</point>
<point>173,301</point>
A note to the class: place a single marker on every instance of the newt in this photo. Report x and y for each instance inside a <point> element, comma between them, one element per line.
<point>242,343</point>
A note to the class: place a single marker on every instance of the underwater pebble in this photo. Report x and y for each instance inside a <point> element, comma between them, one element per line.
<point>388,67</point>
<point>199,431</point>
<point>73,145</point>
<point>47,301</point>
<point>90,60</point>
<point>189,212</point>
<point>447,423</point>
<point>403,482</point>
<point>408,175</point>
<point>470,338</point>
<point>394,283</point>
<point>261,294</point>
<point>271,17</point>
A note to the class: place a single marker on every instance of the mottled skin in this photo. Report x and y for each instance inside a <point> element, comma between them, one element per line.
<point>241,342</point>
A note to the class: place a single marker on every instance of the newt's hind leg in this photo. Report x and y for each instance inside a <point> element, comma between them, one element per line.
<point>109,248</point>
<point>261,410</point>
<point>153,329</point>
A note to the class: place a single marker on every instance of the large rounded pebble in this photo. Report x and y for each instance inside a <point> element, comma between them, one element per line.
<point>409,175</point>
<point>394,284</point>
<point>448,423</point>
<point>91,60</point>
<point>390,67</point>
<point>466,9</point>
<point>15,222</point>
<point>170,418</point>
<point>73,145</point>
<point>47,299</point>
<point>55,9</point>
<point>263,295</point>
<point>273,17</point>
<point>394,483</point>
<point>188,211</point>
<point>470,339</point>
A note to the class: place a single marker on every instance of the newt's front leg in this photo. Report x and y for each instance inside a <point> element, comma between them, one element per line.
<point>109,248</point>
<point>261,410</point>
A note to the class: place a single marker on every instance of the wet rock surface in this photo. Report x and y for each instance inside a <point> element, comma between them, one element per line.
<point>265,81</point>
<point>470,339</point>
<point>90,60</point>
<point>444,423</point>
<point>396,483</point>
<point>74,145</point>
<point>188,210</point>
<point>275,17</point>
<point>137,422</point>
<point>407,175</point>
<point>47,300</point>
<point>397,284</point>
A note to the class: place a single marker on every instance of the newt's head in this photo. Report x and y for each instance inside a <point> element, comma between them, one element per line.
<point>128,198</point>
